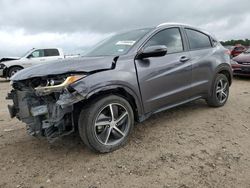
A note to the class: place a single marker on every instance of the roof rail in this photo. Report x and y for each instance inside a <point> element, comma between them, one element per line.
<point>171,23</point>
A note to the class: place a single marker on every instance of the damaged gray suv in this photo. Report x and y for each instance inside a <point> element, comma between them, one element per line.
<point>124,79</point>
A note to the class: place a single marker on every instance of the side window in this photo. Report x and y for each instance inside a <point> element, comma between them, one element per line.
<point>168,37</point>
<point>198,40</point>
<point>37,53</point>
<point>51,52</point>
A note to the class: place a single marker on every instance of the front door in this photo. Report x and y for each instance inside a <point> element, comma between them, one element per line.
<point>36,57</point>
<point>165,81</point>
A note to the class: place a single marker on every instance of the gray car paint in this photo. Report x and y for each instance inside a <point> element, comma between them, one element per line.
<point>155,83</point>
<point>73,65</point>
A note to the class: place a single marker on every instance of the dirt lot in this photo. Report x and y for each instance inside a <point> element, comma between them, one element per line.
<point>189,146</point>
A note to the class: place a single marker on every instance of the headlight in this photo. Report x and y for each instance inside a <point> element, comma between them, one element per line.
<point>2,66</point>
<point>54,86</point>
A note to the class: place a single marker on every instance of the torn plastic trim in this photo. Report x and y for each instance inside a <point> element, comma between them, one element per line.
<point>68,99</point>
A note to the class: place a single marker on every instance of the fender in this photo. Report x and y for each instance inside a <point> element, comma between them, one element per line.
<point>108,88</point>
<point>225,67</point>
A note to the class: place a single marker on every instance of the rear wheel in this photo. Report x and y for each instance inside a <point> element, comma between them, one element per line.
<point>106,124</point>
<point>14,70</point>
<point>220,91</point>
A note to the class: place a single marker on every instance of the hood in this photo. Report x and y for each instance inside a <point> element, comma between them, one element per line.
<point>3,59</point>
<point>244,58</point>
<point>72,65</point>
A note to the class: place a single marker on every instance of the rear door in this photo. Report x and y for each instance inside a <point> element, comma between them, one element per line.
<point>165,81</point>
<point>202,54</point>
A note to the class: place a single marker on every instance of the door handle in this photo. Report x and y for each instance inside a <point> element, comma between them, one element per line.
<point>184,59</point>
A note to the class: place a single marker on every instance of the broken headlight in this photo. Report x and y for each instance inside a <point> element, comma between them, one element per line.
<point>57,85</point>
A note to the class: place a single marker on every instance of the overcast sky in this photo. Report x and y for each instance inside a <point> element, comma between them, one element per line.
<point>78,24</point>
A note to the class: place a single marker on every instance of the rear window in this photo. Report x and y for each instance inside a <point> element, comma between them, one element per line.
<point>198,40</point>
<point>51,52</point>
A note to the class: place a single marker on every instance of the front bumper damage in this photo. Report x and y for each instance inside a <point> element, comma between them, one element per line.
<point>49,116</point>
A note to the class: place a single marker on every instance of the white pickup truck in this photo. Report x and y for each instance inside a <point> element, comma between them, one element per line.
<point>9,66</point>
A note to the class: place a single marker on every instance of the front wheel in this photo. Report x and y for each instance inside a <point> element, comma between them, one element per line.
<point>220,91</point>
<point>105,125</point>
<point>14,70</point>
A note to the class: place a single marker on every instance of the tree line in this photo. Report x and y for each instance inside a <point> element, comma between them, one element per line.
<point>245,42</point>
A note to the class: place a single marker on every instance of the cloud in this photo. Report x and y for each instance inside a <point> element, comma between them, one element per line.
<point>17,42</point>
<point>47,22</point>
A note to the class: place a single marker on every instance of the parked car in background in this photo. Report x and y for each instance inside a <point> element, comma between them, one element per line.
<point>241,64</point>
<point>10,66</point>
<point>8,59</point>
<point>126,78</point>
<point>237,50</point>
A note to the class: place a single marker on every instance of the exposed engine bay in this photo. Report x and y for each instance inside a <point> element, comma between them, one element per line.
<point>47,113</point>
<point>46,103</point>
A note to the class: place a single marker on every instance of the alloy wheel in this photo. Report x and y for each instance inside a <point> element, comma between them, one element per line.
<point>112,124</point>
<point>222,90</point>
<point>14,72</point>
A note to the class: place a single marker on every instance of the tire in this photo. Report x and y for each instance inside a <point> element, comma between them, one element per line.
<point>100,130</point>
<point>220,91</point>
<point>13,70</point>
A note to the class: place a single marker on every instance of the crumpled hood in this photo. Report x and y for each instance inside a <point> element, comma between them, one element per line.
<point>4,59</point>
<point>244,57</point>
<point>70,65</point>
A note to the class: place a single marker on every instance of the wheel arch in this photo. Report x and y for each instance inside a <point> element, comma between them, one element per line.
<point>12,66</point>
<point>120,91</point>
<point>226,70</point>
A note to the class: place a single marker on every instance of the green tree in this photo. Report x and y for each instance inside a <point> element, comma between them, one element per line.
<point>245,42</point>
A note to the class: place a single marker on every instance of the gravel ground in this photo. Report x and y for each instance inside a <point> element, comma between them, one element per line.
<point>189,146</point>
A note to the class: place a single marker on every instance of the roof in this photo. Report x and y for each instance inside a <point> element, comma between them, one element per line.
<point>185,25</point>
<point>172,24</point>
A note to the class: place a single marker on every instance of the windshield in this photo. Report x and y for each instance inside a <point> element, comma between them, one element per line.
<point>27,53</point>
<point>118,44</point>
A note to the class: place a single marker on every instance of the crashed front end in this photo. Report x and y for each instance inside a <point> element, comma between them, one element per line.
<point>45,105</point>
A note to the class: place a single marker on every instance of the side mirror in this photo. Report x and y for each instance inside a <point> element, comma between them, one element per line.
<point>152,51</point>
